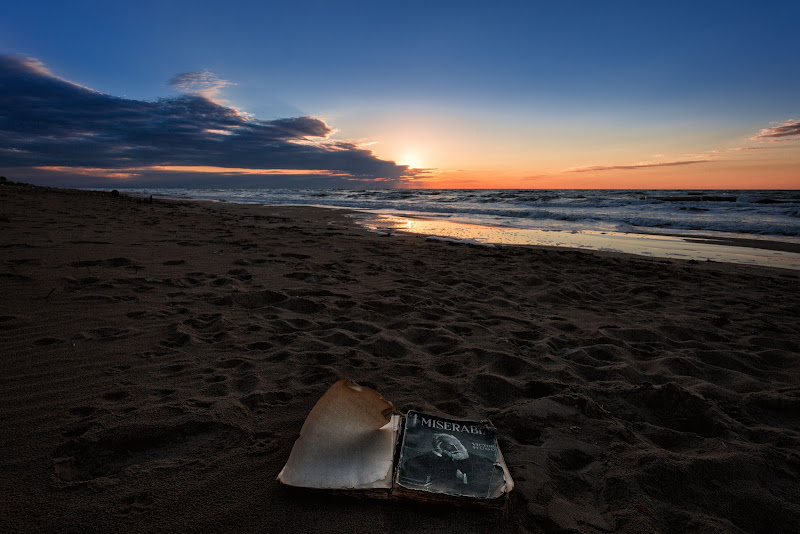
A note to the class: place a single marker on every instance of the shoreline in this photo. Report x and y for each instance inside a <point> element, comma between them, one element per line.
<point>766,253</point>
<point>159,360</point>
<point>667,245</point>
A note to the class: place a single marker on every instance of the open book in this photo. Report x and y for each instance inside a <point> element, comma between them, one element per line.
<point>354,441</point>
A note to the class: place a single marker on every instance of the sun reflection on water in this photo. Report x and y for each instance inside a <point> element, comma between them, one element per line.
<point>652,245</point>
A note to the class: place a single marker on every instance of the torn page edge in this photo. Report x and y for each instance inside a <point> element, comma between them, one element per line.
<point>347,442</point>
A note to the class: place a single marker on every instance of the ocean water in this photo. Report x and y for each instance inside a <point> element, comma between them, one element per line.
<point>772,215</point>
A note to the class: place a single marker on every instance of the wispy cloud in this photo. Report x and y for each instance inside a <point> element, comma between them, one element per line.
<point>741,149</point>
<point>51,122</point>
<point>789,128</point>
<point>641,165</point>
<point>200,83</point>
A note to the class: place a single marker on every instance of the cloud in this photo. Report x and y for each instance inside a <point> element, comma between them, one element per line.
<point>789,128</point>
<point>740,149</point>
<point>52,123</point>
<point>201,83</point>
<point>643,165</point>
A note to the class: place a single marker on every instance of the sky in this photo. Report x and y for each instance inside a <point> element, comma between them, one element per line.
<point>572,94</point>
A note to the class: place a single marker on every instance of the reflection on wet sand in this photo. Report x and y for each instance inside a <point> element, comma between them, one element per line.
<point>653,245</point>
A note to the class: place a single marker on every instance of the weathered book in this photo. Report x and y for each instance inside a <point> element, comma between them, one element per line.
<point>353,440</point>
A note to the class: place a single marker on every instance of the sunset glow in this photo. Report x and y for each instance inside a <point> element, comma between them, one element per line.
<point>540,96</point>
<point>411,160</point>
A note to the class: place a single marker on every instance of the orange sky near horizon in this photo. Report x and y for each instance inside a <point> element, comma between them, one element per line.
<point>708,175</point>
<point>456,152</point>
<point>711,174</point>
<point>441,155</point>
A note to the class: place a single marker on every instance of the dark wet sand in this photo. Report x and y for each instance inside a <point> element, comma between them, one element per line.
<point>782,246</point>
<point>157,361</point>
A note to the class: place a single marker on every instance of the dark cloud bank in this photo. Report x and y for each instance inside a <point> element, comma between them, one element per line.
<point>46,121</point>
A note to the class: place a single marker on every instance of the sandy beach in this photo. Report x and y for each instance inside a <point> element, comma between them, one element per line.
<point>158,359</point>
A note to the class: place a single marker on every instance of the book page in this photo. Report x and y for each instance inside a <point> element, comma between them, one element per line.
<point>459,458</point>
<point>347,442</point>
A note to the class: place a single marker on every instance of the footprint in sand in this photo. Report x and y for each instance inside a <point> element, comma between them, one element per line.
<point>246,382</point>
<point>496,390</point>
<point>260,345</point>
<point>116,396</point>
<point>137,503</point>
<point>220,389</point>
<point>111,452</point>
<point>215,378</point>
<point>174,368</point>
<point>263,443</point>
<point>234,363</point>
<point>259,299</point>
<point>241,274</point>
<point>176,337</point>
<point>83,411</point>
<point>260,401</point>
<point>339,339</point>
<point>45,341</point>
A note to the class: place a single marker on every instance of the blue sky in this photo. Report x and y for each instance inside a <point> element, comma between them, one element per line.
<point>486,92</point>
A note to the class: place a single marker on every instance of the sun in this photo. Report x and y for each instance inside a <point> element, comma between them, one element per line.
<point>412,160</point>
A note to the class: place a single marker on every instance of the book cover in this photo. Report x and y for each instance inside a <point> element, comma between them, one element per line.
<point>451,457</point>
